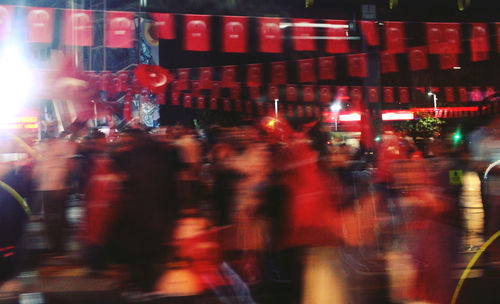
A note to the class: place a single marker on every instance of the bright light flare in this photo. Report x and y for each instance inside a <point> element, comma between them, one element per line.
<point>16,82</point>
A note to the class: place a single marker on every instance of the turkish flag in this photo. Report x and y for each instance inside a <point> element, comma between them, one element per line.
<point>449,94</point>
<point>356,97</point>
<point>226,105</point>
<point>309,111</point>
<point>372,94</point>
<point>6,18</point>
<point>326,68</point>
<point>197,33</point>
<point>490,91</point>
<point>153,77</point>
<point>206,78</point>
<point>476,94</point>
<point>78,28</point>
<point>462,94</point>
<point>228,76</point>
<point>395,37</point>
<point>165,25</point>
<point>160,98</point>
<point>200,102</point>
<point>443,38</point>
<point>235,32</point>
<point>213,103</point>
<point>127,110</point>
<point>278,72</point>
<point>370,32</point>
<point>235,91</point>
<point>388,94</point>
<point>300,111</point>
<point>404,95</point>
<point>325,94</point>
<point>183,77</point>
<point>215,92</point>
<point>418,58</point>
<point>357,65</point>
<point>119,30</point>
<point>40,23</point>
<point>238,106</point>
<point>308,93</point>
<point>303,35</point>
<point>254,74</point>
<point>136,85</point>
<point>479,44</point>
<point>260,108</point>
<point>270,35</point>
<point>291,92</point>
<point>307,72</point>
<point>248,107</point>
<point>273,92</point>
<point>175,95</point>
<point>254,93</point>
<point>388,63</point>
<point>341,94</point>
<point>337,35</point>
<point>174,86</point>
<point>448,61</point>
<point>195,88</point>
<point>289,111</point>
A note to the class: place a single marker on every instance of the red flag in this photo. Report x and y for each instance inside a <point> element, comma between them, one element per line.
<point>175,95</point>
<point>228,76</point>
<point>254,93</point>
<point>195,88</point>
<point>308,93</point>
<point>78,28</point>
<point>449,94</point>
<point>213,103</point>
<point>307,72</point>
<point>165,25</point>
<point>443,38</point>
<point>235,91</point>
<point>498,36</point>
<point>291,92</point>
<point>388,63</point>
<point>341,94</point>
<point>160,98</point>
<point>215,92</point>
<point>309,111</point>
<point>448,61</point>
<point>273,92</point>
<point>370,32</point>
<point>372,94</point>
<point>337,34</point>
<point>300,111</point>
<point>404,95</point>
<point>206,78</point>
<point>325,94</point>
<point>248,107</point>
<point>356,97</point>
<point>197,33</point>
<point>303,35</point>
<point>327,68</point>
<point>254,72</point>
<point>136,84</point>
<point>418,58</point>
<point>476,94</point>
<point>260,108</point>
<point>238,106</point>
<point>479,45</point>
<point>6,17</point>
<point>40,21</point>
<point>278,72</point>
<point>357,65</point>
<point>226,105</point>
<point>462,94</point>
<point>200,102</point>
<point>119,30</point>
<point>235,29</point>
<point>270,109</point>
<point>395,37</point>
<point>289,111</point>
<point>490,91</point>
<point>270,35</point>
<point>153,77</point>
<point>183,77</point>
<point>388,94</point>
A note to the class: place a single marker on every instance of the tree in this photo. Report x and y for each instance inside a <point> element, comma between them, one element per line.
<point>424,126</point>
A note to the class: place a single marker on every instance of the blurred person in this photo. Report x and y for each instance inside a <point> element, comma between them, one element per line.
<point>190,152</point>
<point>52,173</point>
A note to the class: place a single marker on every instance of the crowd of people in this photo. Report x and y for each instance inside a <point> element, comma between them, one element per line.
<point>222,210</point>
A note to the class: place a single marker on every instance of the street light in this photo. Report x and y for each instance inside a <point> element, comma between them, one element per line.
<point>335,108</point>
<point>435,100</point>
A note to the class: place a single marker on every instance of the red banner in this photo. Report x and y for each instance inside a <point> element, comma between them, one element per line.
<point>226,105</point>
<point>40,23</point>
<point>206,78</point>
<point>479,44</point>
<point>195,88</point>
<point>448,61</point>
<point>6,17</point>
<point>228,76</point>
<point>254,75</point>
<point>215,92</point>
<point>388,63</point>
<point>291,92</point>
<point>443,38</point>
<point>270,35</point>
<point>307,72</point>
<point>175,95</point>
<point>388,94</point>
<point>337,34</point>
<point>476,94</point>
<point>341,93</point>
<point>183,77</point>
<point>372,94</point>
<point>119,30</point>
<point>165,25</point>
<point>200,103</point>
<point>395,37</point>
<point>462,94</point>
<point>213,103</point>
<point>404,95</point>
<point>303,35</point>
<point>449,94</point>
<point>326,68</point>
<point>235,91</point>
<point>78,28</point>
<point>308,93</point>
<point>370,32</point>
<point>188,101</point>
<point>357,65</point>
<point>418,58</point>
<point>278,72</point>
<point>238,106</point>
<point>235,32</point>
<point>197,33</point>
<point>356,97</point>
<point>325,94</point>
<point>273,92</point>
<point>254,93</point>
<point>248,107</point>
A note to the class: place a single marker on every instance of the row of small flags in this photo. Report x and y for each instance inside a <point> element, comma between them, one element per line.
<point>78,29</point>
